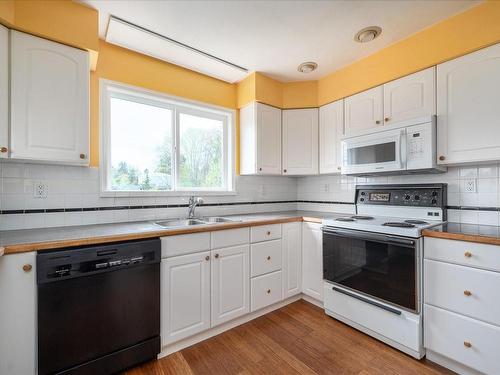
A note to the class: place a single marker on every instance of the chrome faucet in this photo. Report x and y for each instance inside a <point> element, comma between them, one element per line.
<point>193,202</point>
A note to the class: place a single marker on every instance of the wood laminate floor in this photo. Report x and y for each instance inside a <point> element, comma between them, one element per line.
<point>296,339</point>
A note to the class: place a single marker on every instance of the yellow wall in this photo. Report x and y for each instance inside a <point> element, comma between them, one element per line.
<point>300,94</point>
<point>7,12</point>
<point>473,29</point>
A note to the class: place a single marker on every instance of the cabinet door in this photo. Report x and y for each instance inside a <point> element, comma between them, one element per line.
<point>185,293</point>
<point>410,97</point>
<point>268,139</point>
<point>4,92</point>
<point>331,128</point>
<point>18,312</point>
<point>292,259</point>
<point>300,141</point>
<point>312,260</point>
<point>363,111</point>
<point>230,283</point>
<point>49,101</point>
<point>468,108</point>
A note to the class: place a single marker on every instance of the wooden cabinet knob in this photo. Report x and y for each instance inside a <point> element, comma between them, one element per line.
<point>284,170</point>
<point>467,293</point>
<point>83,156</point>
<point>268,233</point>
<point>467,344</point>
<point>442,158</point>
<point>260,169</point>
<point>3,150</point>
<point>468,254</point>
<point>269,291</point>
<point>269,257</point>
<point>216,256</point>
<point>387,119</point>
<point>27,267</point>
<point>377,122</point>
<point>207,258</point>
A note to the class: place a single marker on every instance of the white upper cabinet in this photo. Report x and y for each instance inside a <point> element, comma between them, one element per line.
<point>260,134</point>
<point>410,97</point>
<point>49,101</point>
<point>230,289</point>
<point>4,92</point>
<point>468,106</point>
<point>364,110</point>
<point>300,141</point>
<point>331,128</point>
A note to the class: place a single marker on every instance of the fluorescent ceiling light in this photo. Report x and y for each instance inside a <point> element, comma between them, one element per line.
<point>136,38</point>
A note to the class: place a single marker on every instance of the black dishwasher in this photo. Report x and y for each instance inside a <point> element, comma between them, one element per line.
<point>98,307</point>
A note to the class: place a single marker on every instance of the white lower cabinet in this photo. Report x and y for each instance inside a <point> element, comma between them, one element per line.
<point>461,305</point>
<point>266,290</point>
<point>292,259</point>
<point>230,283</point>
<point>312,260</point>
<point>18,314</point>
<point>185,293</point>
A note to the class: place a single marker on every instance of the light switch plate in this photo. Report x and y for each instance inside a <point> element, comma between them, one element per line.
<point>40,190</point>
<point>470,185</point>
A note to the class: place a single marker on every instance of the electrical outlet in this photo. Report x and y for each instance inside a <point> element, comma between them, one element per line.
<point>470,185</point>
<point>326,188</point>
<point>40,190</point>
<point>261,191</point>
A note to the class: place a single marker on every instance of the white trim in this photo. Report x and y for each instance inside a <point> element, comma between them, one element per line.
<point>176,105</point>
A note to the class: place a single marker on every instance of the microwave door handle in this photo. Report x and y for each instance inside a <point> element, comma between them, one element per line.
<point>402,149</point>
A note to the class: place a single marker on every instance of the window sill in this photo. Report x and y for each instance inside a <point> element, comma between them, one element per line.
<point>110,194</point>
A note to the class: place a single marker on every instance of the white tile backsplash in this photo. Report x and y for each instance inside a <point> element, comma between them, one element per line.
<point>77,187</point>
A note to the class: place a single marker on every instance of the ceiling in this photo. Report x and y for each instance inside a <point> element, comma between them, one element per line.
<point>274,37</point>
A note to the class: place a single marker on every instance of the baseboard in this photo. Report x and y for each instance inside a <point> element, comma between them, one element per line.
<point>450,364</point>
<point>184,343</point>
<point>313,301</point>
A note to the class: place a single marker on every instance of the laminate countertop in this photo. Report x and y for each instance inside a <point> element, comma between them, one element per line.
<point>488,234</point>
<point>24,240</point>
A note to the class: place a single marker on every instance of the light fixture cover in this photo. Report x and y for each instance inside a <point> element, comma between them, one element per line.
<point>307,67</point>
<point>136,38</point>
<point>367,34</point>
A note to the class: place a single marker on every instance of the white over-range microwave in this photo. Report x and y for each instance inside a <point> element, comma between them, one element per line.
<point>407,147</point>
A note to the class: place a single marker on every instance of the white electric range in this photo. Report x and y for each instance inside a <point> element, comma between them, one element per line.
<point>372,261</point>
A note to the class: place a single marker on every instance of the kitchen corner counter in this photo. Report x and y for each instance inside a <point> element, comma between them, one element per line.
<point>24,240</point>
<point>488,234</point>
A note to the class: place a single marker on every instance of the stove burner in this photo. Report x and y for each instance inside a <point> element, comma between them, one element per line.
<point>345,219</point>
<point>399,225</point>
<point>416,222</point>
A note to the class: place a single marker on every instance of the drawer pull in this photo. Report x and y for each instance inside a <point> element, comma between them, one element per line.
<point>269,257</point>
<point>27,267</point>
<point>268,232</point>
<point>467,293</point>
<point>467,344</point>
<point>269,291</point>
<point>467,254</point>
<point>207,258</point>
<point>216,256</point>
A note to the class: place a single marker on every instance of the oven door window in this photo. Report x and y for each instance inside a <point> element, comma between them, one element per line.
<point>379,269</point>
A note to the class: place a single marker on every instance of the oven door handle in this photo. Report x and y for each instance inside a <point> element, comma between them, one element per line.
<point>373,303</point>
<point>368,236</point>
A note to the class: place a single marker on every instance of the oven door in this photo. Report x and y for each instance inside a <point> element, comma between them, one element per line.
<point>379,152</point>
<point>381,266</point>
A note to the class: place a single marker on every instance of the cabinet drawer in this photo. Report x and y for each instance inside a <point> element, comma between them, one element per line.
<point>265,232</point>
<point>265,257</point>
<point>462,252</point>
<point>184,244</point>
<point>448,334</point>
<point>230,237</point>
<point>464,290</point>
<point>265,290</point>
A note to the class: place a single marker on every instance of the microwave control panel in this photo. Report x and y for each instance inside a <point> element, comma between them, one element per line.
<point>430,195</point>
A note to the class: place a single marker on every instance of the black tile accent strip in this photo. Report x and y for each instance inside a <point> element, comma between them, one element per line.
<point>112,208</point>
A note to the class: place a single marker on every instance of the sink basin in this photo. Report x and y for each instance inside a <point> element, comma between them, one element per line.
<point>218,219</point>
<point>179,223</point>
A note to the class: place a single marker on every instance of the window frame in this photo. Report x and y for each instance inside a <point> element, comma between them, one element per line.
<point>112,89</point>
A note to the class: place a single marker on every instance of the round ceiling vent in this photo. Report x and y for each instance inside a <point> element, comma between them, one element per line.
<point>307,67</point>
<point>367,34</point>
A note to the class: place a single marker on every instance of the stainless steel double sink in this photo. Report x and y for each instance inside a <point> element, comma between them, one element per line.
<point>173,223</point>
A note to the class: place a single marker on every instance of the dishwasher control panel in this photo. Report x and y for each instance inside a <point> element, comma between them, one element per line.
<point>69,263</point>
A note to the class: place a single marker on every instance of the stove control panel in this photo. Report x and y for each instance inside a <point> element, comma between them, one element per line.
<point>421,195</point>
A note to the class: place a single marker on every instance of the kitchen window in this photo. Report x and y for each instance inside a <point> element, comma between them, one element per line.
<point>153,144</point>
